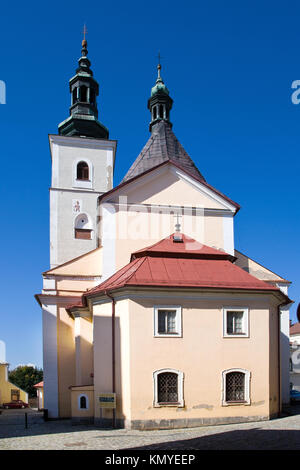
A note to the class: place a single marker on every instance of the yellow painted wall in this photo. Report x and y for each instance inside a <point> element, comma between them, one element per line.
<point>84,351</point>
<point>103,357</point>
<point>142,223</point>
<point>255,268</point>
<point>201,354</point>
<point>65,360</point>
<point>75,392</point>
<point>168,188</point>
<point>6,387</point>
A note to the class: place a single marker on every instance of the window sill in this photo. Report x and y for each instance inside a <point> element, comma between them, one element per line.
<point>168,405</point>
<point>236,335</point>
<point>236,403</point>
<point>168,335</point>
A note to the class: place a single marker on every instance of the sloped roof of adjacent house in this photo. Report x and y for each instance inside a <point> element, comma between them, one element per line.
<point>39,385</point>
<point>295,329</point>
<point>181,264</point>
<point>161,147</point>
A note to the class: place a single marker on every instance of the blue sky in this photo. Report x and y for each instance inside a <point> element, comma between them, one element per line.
<point>229,67</point>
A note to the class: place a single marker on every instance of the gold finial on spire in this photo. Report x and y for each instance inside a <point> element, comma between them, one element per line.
<point>84,41</point>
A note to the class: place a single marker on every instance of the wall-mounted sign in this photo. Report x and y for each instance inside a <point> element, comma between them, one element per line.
<point>107,400</point>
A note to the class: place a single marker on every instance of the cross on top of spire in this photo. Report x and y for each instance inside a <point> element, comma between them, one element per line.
<point>84,41</point>
<point>177,225</point>
<point>158,65</point>
<point>84,31</point>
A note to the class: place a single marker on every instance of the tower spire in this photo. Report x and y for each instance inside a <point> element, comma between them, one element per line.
<point>159,103</point>
<point>84,89</point>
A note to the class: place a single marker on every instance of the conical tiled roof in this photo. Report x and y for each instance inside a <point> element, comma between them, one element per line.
<point>162,146</point>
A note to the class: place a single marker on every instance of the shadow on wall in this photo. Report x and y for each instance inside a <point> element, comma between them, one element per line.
<point>103,377</point>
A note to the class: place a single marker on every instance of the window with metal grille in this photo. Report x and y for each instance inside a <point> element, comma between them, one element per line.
<point>235,387</point>
<point>167,384</point>
<point>167,321</point>
<point>235,322</point>
<point>82,171</point>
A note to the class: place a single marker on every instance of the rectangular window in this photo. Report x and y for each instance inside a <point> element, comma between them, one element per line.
<point>167,388</point>
<point>235,387</point>
<point>167,321</point>
<point>15,395</point>
<point>83,234</point>
<point>235,322</point>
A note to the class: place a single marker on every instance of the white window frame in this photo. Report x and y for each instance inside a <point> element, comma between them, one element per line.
<point>86,400</point>
<point>245,311</point>
<point>180,378</point>
<point>247,400</point>
<point>85,184</point>
<point>178,320</point>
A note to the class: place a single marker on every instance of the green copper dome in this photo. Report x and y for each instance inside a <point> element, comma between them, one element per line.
<point>159,86</point>
<point>159,103</point>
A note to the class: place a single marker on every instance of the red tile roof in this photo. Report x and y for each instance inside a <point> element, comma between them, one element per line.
<point>295,329</point>
<point>39,385</point>
<point>188,248</point>
<point>172,264</point>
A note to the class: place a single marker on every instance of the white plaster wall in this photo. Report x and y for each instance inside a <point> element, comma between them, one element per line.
<point>66,152</point>
<point>285,354</point>
<point>108,240</point>
<point>228,234</point>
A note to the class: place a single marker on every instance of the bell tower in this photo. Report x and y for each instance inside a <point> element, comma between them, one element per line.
<point>82,169</point>
<point>159,103</point>
<point>84,89</point>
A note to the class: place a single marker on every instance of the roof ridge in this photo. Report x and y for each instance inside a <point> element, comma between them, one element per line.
<point>119,273</point>
<point>141,155</point>
<point>141,264</point>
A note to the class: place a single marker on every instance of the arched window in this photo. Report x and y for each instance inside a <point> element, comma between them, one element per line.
<point>236,386</point>
<point>74,94</point>
<point>82,402</point>
<point>161,111</point>
<point>168,388</point>
<point>92,96</point>
<point>154,112</point>
<point>83,94</point>
<point>83,227</point>
<point>82,171</point>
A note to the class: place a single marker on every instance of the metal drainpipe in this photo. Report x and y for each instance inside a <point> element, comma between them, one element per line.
<point>113,351</point>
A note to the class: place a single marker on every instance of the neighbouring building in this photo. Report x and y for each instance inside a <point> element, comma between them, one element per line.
<point>295,355</point>
<point>8,391</point>
<point>40,394</point>
<point>151,316</point>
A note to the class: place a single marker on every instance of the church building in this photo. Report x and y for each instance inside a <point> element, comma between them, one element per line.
<point>151,316</point>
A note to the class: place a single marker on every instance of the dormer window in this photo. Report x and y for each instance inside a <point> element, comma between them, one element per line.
<point>83,171</point>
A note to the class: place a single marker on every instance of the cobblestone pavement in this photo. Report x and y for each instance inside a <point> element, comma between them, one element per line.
<point>279,434</point>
